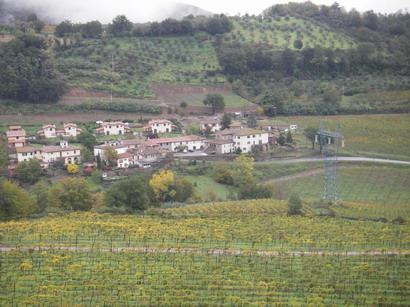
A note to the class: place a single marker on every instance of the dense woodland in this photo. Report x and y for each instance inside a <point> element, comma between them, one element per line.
<point>300,77</point>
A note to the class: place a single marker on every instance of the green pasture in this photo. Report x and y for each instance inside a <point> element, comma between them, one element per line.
<point>383,134</point>
<point>210,190</point>
<point>370,184</point>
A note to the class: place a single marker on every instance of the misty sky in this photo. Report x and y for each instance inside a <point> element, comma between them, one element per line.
<point>151,10</point>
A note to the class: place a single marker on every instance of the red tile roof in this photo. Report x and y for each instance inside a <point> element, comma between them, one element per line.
<point>15,133</point>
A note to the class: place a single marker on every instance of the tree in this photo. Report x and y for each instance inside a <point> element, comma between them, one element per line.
<point>298,44</point>
<point>72,169</point>
<point>110,155</point>
<point>29,171</point>
<point>243,171</point>
<point>120,26</point>
<point>74,194</point>
<point>295,205</point>
<point>281,140</point>
<point>40,192</point>
<point>208,131</point>
<point>215,100</point>
<point>64,28</point>
<point>92,29</point>
<point>131,193</point>
<point>289,139</point>
<point>4,160</point>
<point>255,192</point>
<point>15,203</point>
<point>87,139</point>
<point>27,71</point>
<point>251,122</point>
<point>184,189</point>
<point>222,174</point>
<point>226,121</point>
<point>310,134</point>
<point>218,24</point>
<point>163,185</point>
<point>273,101</point>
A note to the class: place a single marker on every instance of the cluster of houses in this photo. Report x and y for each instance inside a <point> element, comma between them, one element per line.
<point>141,152</point>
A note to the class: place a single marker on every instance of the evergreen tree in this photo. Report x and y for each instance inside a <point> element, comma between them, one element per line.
<point>251,122</point>
<point>226,121</point>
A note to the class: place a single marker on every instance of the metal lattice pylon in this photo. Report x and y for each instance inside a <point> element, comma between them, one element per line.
<point>329,146</point>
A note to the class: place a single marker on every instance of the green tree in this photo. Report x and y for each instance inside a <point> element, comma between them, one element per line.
<point>281,140</point>
<point>64,28</point>
<point>310,134</point>
<point>294,205</point>
<point>255,191</point>
<point>92,29</point>
<point>222,174</point>
<point>15,203</point>
<point>289,138</point>
<point>40,192</point>
<point>252,122</point>
<point>184,189</point>
<point>27,71</point>
<point>226,121</point>
<point>120,26</point>
<point>29,171</point>
<point>243,171</point>
<point>87,139</point>
<point>131,193</point>
<point>4,160</point>
<point>110,155</point>
<point>273,101</point>
<point>215,100</point>
<point>74,194</point>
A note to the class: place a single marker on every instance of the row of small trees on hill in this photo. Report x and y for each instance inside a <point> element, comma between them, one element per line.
<point>121,27</point>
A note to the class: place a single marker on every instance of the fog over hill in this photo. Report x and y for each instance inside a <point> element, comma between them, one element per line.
<point>52,11</point>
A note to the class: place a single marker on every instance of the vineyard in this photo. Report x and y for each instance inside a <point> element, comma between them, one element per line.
<point>211,257</point>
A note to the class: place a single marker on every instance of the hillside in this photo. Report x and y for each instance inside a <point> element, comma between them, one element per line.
<point>299,59</point>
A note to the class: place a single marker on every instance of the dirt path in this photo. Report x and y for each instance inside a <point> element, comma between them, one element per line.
<point>200,251</point>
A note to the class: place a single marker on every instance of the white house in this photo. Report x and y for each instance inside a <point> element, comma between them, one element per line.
<point>113,128</point>
<point>192,142</point>
<point>211,123</point>
<point>16,137</point>
<point>236,126</point>
<point>159,126</point>
<point>220,146</point>
<point>125,160</point>
<point>71,130</point>
<point>48,131</point>
<point>245,139</point>
<point>293,127</point>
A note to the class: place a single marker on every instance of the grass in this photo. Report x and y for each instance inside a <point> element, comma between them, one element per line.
<point>210,190</point>
<point>375,184</point>
<point>266,171</point>
<point>382,134</point>
<point>231,100</point>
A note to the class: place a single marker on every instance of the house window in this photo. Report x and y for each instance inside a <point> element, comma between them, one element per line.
<point>24,154</point>
<point>249,136</point>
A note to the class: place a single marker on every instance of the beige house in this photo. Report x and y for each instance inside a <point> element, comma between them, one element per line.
<point>71,130</point>
<point>192,142</point>
<point>16,137</point>
<point>159,126</point>
<point>26,153</point>
<point>245,139</point>
<point>48,131</point>
<point>236,126</point>
<point>50,154</point>
<point>219,146</point>
<point>224,134</point>
<point>113,128</point>
<point>70,154</point>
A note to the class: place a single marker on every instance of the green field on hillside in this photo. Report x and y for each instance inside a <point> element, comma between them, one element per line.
<point>372,184</point>
<point>137,62</point>
<point>281,32</point>
<point>385,134</point>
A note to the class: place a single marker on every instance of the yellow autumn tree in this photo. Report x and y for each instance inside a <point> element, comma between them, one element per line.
<point>243,171</point>
<point>72,169</point>
<point>163,185</point>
